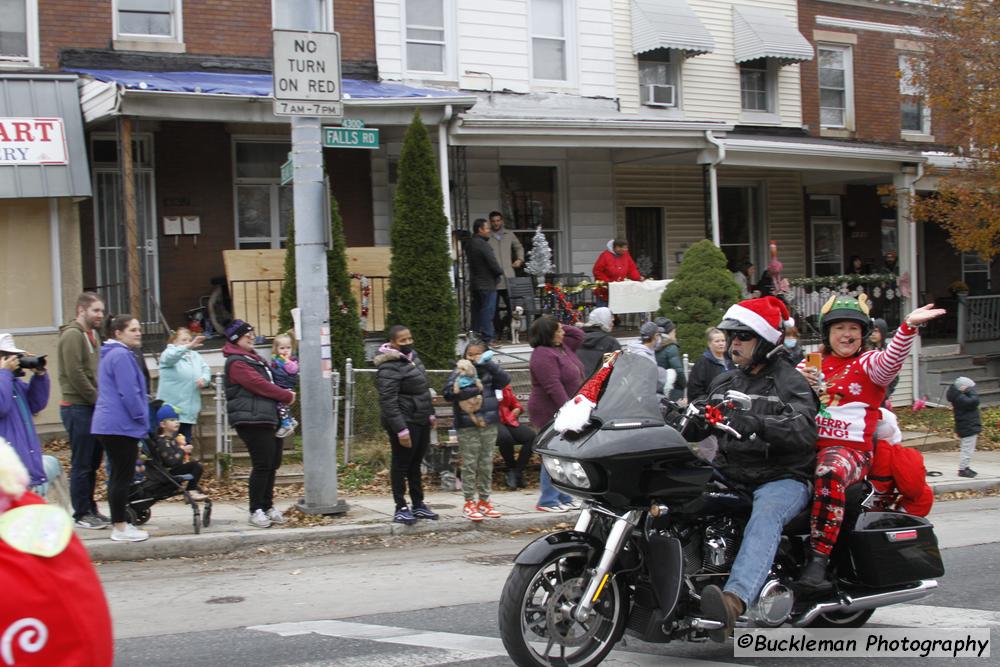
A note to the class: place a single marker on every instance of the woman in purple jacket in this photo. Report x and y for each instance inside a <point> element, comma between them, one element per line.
<point>19,402</point>
<point>121,418</point>
<point>556,374</point>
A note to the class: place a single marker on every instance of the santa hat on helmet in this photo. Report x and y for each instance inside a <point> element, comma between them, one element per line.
<point>574,415</point>
<point>767,316</point>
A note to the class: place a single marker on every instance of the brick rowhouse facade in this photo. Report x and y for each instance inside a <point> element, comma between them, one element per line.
<point>193,160</point>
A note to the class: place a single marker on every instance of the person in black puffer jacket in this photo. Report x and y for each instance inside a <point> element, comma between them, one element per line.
<point>712,363</point>
<point>774,460</point>
<point>968,422</point>
<point>407,415</point>
<point>476,443</point>
<point>598,340</point>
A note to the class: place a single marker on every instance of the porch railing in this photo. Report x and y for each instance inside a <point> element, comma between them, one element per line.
<point>979,318</point>
<point>808,295</point>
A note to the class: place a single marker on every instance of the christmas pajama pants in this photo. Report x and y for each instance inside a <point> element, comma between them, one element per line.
<point>837,467</point>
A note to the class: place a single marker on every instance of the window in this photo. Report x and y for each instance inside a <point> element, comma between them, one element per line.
<point>318,15</point>
<point>975,273</point>
<point>827,235</point>
<point>755,86</point>
<point>915,117</point>
<point>529,197</point>
<point>658,78</point>
<point>739,211</point>
<point>263,206</point>
<point>148,21</point>
<point>425,36</point>
<point>18,33</point>
<point>835,87</point>
<point>548,40</point>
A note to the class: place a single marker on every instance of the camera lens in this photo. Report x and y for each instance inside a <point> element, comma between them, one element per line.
<point>31,363</point>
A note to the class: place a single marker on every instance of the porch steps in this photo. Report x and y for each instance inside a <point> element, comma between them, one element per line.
<point>939,371</point>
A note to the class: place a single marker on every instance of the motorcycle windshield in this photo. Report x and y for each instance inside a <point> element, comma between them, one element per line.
<point>630,399</point>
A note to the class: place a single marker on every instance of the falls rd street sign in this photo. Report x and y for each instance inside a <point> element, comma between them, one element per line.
<point>347,137</point>
<point>307,73</point>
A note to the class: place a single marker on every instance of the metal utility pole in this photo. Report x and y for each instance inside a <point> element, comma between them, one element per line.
<point>303,65</point>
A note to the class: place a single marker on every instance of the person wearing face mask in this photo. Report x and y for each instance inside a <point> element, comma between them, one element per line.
<point>853,387</point>
<point>668,357</point>
<point>774,459</point>
<point>792,347</point>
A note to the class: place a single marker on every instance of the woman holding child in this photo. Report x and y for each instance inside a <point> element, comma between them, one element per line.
<point>477,432</point>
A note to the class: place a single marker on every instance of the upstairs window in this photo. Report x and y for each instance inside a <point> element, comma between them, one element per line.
<point>287,15</point>
<point>548,40</point>
<point>425,36</point>
<point>148,18</point>
<point>658,78</point>
<point>836,82</point>
<point>756,92</point>
<point>914,116</point>
<point>18,33</point>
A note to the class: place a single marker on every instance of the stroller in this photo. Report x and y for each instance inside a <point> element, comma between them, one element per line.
<point>158,484</point>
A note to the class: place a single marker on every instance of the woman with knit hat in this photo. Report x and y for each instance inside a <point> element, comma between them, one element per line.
<point>851,390</point>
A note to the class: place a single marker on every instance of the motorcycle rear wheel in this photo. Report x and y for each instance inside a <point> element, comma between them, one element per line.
<point>534,630</point>
<point>842,619</point>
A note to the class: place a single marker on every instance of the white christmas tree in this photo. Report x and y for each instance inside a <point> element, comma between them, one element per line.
<point>540,256</point>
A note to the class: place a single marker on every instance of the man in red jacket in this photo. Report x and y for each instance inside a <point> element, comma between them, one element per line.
<point>614,265</point>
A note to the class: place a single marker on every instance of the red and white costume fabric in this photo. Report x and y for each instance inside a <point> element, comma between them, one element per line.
<point>52,609</point>
<point>849,413</point>
<point>898,473</point>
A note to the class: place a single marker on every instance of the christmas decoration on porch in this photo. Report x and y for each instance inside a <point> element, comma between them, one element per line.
<point>540,256</point>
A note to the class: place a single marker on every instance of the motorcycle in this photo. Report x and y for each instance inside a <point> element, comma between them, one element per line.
<point>660,522</point>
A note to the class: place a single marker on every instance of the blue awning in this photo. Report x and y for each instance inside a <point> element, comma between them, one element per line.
<point>251,85</point>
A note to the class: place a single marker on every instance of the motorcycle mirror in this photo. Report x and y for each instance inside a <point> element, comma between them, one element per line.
<point>738,399</point>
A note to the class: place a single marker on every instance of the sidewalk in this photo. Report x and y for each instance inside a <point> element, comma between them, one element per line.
<point>172,534</point>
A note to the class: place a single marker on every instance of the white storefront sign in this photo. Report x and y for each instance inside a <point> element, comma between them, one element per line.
<point>307,73</point>
<point>32,141</point>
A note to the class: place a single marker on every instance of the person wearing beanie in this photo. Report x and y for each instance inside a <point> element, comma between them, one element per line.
<point>774,459</point>
<point>174,451</point>
<point>668,357</point>
<point>853,388</point>
<point>252,400</point>
<point>597,341</point>
<point>968,421</point>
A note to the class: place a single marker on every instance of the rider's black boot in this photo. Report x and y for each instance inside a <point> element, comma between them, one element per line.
<point>814,574</point>
<point>717,605</point>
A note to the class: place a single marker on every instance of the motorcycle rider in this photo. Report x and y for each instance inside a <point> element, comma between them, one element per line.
<point>775,458</point>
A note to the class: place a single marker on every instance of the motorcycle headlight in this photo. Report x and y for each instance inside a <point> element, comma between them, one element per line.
<point>567,472</point>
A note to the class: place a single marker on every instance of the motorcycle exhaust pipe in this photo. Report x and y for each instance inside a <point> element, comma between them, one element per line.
<point>849,603</point>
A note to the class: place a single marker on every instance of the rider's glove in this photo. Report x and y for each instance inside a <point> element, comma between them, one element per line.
<point>745,424</point>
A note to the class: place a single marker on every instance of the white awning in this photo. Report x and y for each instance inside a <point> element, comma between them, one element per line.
<point>668,24</point>
<point>767,33</point>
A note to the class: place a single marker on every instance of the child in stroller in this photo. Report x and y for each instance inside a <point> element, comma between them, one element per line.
<point>169,472</point>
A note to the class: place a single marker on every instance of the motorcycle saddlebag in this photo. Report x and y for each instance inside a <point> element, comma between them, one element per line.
<point>891,548</point>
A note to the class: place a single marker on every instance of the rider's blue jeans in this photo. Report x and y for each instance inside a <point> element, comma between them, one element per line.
<point>774,504</point>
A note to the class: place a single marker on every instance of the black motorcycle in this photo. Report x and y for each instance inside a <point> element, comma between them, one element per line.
<point>660,522</point>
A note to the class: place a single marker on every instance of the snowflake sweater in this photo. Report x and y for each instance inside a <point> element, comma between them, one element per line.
<point>855,388</point>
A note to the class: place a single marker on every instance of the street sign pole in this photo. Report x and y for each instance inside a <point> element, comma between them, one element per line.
<point>319,449</point>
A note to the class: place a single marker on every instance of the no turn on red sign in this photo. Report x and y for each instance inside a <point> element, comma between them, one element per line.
<point>306,75</point>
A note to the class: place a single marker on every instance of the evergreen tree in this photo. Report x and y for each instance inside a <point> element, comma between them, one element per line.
<point>289,299</point>
<point>420,294</point>
<point>699,295</point>
<point>346,337</point>
<point>540,256</point>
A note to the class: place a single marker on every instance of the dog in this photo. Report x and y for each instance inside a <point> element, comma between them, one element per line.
<point>518,323</point>
<point>468,377</point>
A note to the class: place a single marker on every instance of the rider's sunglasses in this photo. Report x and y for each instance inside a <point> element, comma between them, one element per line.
<point>745,336</point>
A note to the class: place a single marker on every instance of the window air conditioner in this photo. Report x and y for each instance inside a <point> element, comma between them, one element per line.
<point>658,95</point>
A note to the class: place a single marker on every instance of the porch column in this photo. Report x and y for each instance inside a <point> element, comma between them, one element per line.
<point>908,267</point>
<point>443,170</point>
<point>131,218</point>
<point>713,184</point>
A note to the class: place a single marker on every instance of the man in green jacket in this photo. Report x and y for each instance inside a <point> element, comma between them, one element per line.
<point>79,350</point>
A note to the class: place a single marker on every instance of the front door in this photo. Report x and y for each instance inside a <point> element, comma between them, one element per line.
<point>109,226</point>
<point>644,232</point>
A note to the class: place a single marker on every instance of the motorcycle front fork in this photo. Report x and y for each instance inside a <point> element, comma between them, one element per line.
<point>623,526</point>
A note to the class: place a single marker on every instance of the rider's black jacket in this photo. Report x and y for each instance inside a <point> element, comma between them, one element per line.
<point>786,445</point>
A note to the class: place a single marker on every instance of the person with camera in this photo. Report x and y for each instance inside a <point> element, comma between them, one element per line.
<point>774,458</point>
<point>19,402</point>
<point>78,353</point>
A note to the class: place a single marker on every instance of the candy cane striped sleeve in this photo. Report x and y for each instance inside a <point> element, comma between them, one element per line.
<point>884,365</point>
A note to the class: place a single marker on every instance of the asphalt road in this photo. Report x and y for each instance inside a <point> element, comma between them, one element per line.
<point>433,601</point>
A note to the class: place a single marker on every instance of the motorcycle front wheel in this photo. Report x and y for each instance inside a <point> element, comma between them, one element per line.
<point>536,621</point>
